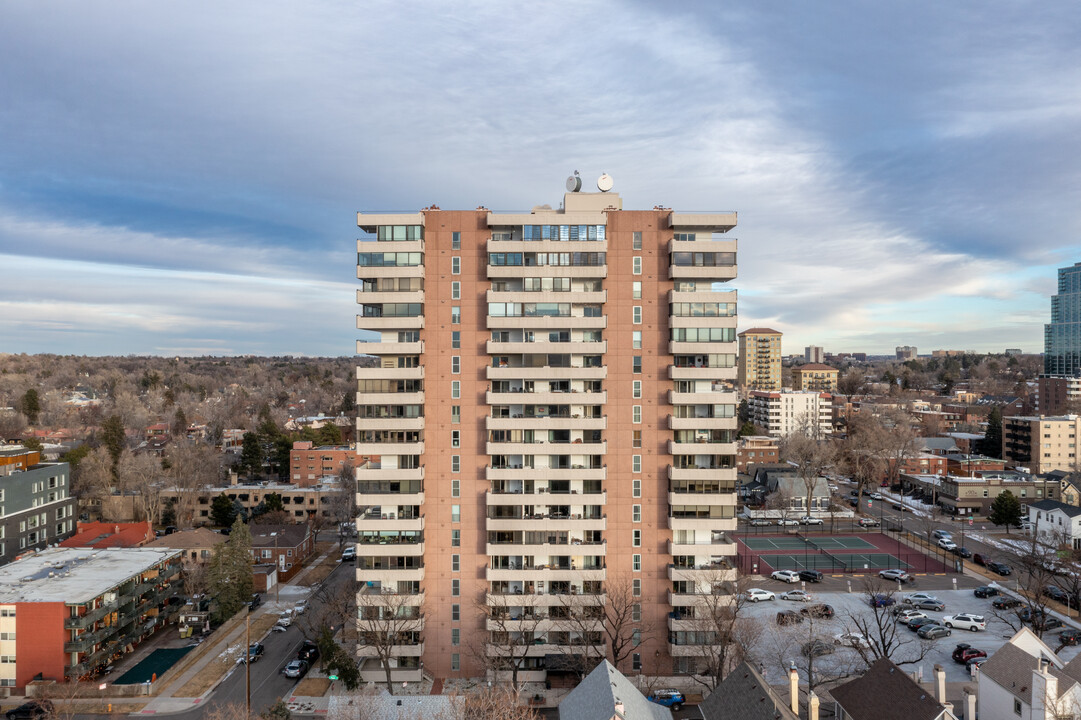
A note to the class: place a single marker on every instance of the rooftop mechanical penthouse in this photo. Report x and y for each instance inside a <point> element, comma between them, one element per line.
<point>554,415</point>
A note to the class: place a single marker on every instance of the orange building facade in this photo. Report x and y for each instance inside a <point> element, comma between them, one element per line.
<point>555,416</point>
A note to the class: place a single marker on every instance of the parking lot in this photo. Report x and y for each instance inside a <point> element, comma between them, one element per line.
<point>779,645</point>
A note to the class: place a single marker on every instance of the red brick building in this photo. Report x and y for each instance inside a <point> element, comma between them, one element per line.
<point>307,464</point>
<point>286,546</point>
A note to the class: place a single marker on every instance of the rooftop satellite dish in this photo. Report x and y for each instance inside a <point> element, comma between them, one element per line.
<point>574,183</point>
<point>604,182</point>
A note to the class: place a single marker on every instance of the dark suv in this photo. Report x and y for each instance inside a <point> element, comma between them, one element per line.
<point>32,710</point>
<point>308,652</point>
<point>810,575</point>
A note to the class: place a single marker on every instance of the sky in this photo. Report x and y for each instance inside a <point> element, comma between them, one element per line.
<point>183,178</point>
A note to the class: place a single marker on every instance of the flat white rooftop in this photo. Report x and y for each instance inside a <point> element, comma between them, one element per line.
<point>74,575</point>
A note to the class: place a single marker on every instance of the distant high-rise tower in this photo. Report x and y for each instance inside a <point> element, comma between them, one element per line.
<point>1062,336</point>
<point>760,359</point>
<point>906,352</point>
<point>813,354</point>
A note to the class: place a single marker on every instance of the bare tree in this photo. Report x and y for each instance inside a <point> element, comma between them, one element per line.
<point>811,455</point>
<point>801,644</point>
<point>780,502</point>
<point>135,475</point>
<point>194,576</point>
<point>12,424</point>
<point>386,622</point>
<point>861,453</point>
<point>878,625</point>
<point>494,703</point>
<point>899,442</point>
<point>192,467</point>
<point>718,626</point>
<point>512,623</point>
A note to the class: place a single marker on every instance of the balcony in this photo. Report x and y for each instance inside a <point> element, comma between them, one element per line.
<point>388,522</point>
<point>378,298</point>
<point>548,322</point>
<point>694,651</point>
<point>520,473</point>
<point>548,523</point>
<point>701,448</point>
<point>701,373</point>
<point>389,448</point>
<point>390,574</point>
<point>703,398</point>
<point>701,348</point>
<point>703,524</point>
<point>390,499</point>
<point>395,373</point>
<point>574,397</point>
<point>692,574</point>
<point>715,221</point>
<point>390,398</point>
<point>369,651</point>
<point>84,621</point>
<point>716,498</point>
<point>369,272</point>
<point>540,574</point>
<point>84,642</point>
<point>398,322</point>
<point>390,548</point>
<point>684,321</point>
<point>706,599</point>
<point>544,448</point>
<point>547,246</point>
<point>675,296</point>
<point>521,296</point>
<point>722,423</point>
<point>545,498</point>
<point>716,273</point>
<point>370,474</point>
<point>376,597</point>
<point>546,549</point>
<point>371,671</point>
<point>543,424</point>
<point>522,271</point>
<point>711,547</point>
<point>544,347</point>
<point>546,373</point>
<point>415,623</point>
<point>390,423</point>
<point>390,348</point>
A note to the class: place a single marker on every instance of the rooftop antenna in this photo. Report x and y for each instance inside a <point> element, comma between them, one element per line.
<point>574,183</point>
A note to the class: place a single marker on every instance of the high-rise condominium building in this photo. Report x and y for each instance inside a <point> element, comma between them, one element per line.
<point>1062,336</point>
<point>814,354</point>
<point>760,359</point>
<point>555,418</point>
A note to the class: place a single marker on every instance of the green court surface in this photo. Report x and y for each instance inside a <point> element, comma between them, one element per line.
<point>156,663</point>
<point>827,563</point>
<point>793,542</point>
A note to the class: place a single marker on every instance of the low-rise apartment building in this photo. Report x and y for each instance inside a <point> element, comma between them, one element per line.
<point>66,612</point>
<point>756,450</point>
<point>309,464</point>
<point>961,495</point>
<point>300,503</point>
<point>286,546</point>
<point>783,412</point>
<point>1041,444</point>
<point>815,377</point>
<point>36,507</point>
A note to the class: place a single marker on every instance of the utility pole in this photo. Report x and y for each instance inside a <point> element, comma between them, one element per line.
<point>247,662</point>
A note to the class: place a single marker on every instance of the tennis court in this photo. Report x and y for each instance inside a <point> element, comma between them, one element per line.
<point>833,563</point>
<point>793,542</point>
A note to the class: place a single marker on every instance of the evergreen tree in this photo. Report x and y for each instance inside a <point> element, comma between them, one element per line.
<point>1006,510</point>
<point>991,445</point>
<point>273,502</point>
<point>230,574</point>
<point>180,422</point>
<point>31,406</point>
<point>221,511</point>
<point>251,454</point>
<point>112,437</point>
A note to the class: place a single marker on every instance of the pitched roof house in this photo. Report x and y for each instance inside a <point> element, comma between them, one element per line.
<point>745,695</point>
<point>606,694</point>
<point>100,535</point>
<point>1025,679</point>
<point>863,698</point>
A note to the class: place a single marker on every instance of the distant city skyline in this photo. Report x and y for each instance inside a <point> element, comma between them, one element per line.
<point>184,180</point>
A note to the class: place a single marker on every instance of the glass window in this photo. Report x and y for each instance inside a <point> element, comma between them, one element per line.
<point>636,240</point>
<point>455,661</point>
<point>636,364</point>
<point>636,290</point>
<point>455,364</point>
<point>455,463</point>
<point>455,339</point>
<point>455,413</point>
<point>455,587</point>
<point>455,290</point>
<point>636,266</point>
<point>455,438</point>
<point>455,612</point>
<point>636,662</point>
<point>455,538</point>
<point>636,389</point>
<point>636,413</point>
<point>636,463</point>
<point>455,488</point>
<point>636,587</point>
<point>455,241</point>
<point>455,563</point>
<point>636,562</point>
<point>636,339</point>
<point>455,265</point>
<point>636,314</point>
<point>636,538</point>
<point>455,315</point>
<point>636,438</point>
<point>455,513</point>
<point>455,389</point>
<point>636,613</point>
<point>636,513</point>
<point>636,488</point>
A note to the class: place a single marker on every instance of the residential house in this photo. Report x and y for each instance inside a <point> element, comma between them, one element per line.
<point>607,694</point>
<point>286,546</point>
<point>784,493</point>
<point>745,695</point>
<point>194,545</point>
<point>939,445</point>
<point>886,692</point>
<point>1026,680</point>
<point>1056,523</point>
<point>101,535</point>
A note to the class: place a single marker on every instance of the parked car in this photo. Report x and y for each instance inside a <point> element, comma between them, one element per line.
<point>918,597</point>
<point>962,552</point>
<point>851,639</point>
<point>812,576</point>
<point>820,610</point>
<point>1069,636</point>
<point>783,522</point>
<point>756,594</point>
<point>349,554</point>
<point>295,669</point>
<point>309,652</point>
<point>933,631</point>
<point>965,621</point>
<point>788,576</point>
<point>256,601</point>
<point>985,591</point>
<point>759,522</point>
<point>32,710</point>
<point>896,576</point>
<point>875,496</point>
<point>797,596</point>
<point>906,616</point>
<point>300,607</point>
<point>1057,594</point>
<point>935,605</point>
<point>999,568</point>
<point>1039,620</point>
<point>668,697</point>
<point>1005,602</point>
<point>816,648</point>
<point>942,534</point>
<point>901,508</point>
<point>975,662</point>
<point>881,600</point>
<point>808,520</point>
<point>916,623</point>
<point>255,651</point>
<point>947,544</point>
<point>868,522</point>
<point>979,559</point>
<point>789,617</point>
<point>854,502</point>
<point>965,652</point>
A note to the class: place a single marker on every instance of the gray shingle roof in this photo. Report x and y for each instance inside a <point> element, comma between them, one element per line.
<point>1049,505</point>
<point>745,695</point>
<point>862,698</point>
<point>596,696</point>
